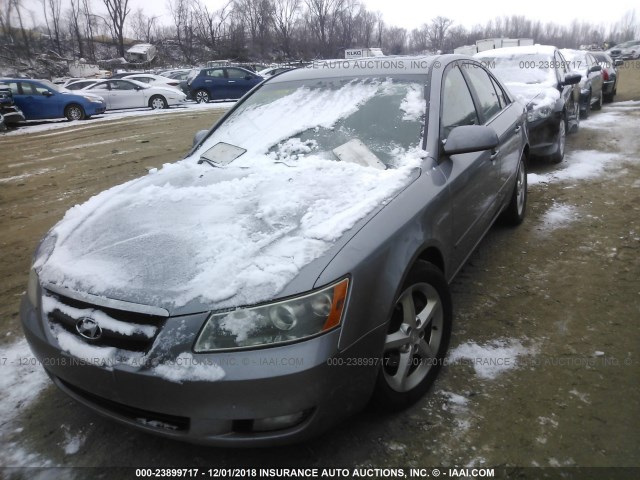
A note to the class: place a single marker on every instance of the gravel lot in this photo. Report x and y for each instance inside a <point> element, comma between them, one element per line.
<point>557,299</point>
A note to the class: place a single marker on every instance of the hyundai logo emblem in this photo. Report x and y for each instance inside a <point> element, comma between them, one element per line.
<point>88,328</point>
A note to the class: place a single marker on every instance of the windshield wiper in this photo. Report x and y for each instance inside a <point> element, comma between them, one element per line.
<point>210,162</point>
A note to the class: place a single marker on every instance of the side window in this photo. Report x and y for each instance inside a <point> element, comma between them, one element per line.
<point>487,96</point>
<point>122,85</point>
<point>504,99</point>
<point>100,86</point>
<point>27,88</point>
<point>39,89</point>
<point>215,73</point>
<point>457,104</point>
<point>13,86</point>
<point>144,79</point>
<point>236,73</point>
<point>562,67</point>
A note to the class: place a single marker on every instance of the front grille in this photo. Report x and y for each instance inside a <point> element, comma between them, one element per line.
<point>68,312</point>
<point>144,417</point>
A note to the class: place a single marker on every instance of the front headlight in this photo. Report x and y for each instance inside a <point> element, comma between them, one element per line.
<point>538,113</point>
<point>276,323</point>
<point>93,99</point>
<point>32,288</point>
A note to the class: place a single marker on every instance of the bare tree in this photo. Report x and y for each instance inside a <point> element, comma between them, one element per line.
<point>74,25</point>
<point>183,20</point>
<point>257,16</point>
<point>118,11</point>
<point>380,27</point>
<point>438,32</point>
<point>285,14</point>
<point>211,24</point>
<point>142,25</point>
<point>322,16</point>
<point>52,19</point>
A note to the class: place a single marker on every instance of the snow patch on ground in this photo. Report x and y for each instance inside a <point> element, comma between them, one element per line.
<point>491,359</point>
<point>36,126</point>
<point>21,382</point>
<point>558,216</point>
<point>578,165</point>
<point>17,178</point>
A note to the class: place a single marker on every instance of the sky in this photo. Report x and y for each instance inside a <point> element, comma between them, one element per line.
<point>413,13</point>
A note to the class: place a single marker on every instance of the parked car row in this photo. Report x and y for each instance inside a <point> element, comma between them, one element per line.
<point>41,99</point>
<point>558,88</point>
<point>626,51</point>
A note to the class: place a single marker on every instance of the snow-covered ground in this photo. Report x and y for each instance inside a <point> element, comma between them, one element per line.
<point>36,126</point>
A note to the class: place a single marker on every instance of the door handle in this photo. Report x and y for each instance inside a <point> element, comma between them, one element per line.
<point>232,81</point>
<point>518,127</point>
<point>494,154</point>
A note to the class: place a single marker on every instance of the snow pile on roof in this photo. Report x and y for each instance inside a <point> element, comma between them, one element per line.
<point>140,48</point>
<point>227,236</point>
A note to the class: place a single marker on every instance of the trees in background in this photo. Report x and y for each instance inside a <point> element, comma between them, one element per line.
<point>262,30</point>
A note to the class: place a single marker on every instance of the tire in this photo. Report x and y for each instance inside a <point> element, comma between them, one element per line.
<point>74,112</point>
<point>598,104</point>
<point>158,102</point>
<point>416,343</point>
<point>202,96</point>
<point>516,210</point>
<point>558,155</point>
<point>585,113</point>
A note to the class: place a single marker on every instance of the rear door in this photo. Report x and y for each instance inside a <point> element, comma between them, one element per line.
<point>102,89</point>
<point>215,82</point>
<point>123,94</point>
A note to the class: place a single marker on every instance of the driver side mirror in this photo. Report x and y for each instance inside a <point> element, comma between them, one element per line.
<point>248,77</point>
<point>618,63</point>
<point>470,138</point>
<point>47,93</point>
<point>572,79</point>
<point>595,68</point>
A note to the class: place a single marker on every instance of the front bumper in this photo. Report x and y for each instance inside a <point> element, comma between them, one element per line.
<point>543,135</point>
<point>299,379</point>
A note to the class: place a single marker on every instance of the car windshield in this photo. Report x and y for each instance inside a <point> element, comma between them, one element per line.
<point>531,69</point>
<point>365,120</point>
<point>577,59</point>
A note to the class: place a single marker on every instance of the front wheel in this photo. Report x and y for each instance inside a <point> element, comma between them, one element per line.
<point>74,112</point>
<point>585,112</point>
<point>515,212</point>
<point>598,104</point>
<point>417,338</point>
<point>158,102</point>
<point>558,155</point>
<point>202,96</point>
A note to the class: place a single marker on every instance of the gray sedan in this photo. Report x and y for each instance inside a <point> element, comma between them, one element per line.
<point>295,265</point>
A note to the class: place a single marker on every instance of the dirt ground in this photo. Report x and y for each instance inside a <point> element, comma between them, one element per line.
<point>560,296</point>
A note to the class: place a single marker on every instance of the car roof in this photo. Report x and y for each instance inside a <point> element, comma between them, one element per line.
<point>393,65</point>
<point>515,51</point>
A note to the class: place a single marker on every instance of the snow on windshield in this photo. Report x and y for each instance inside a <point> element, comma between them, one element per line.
<point>236,235</point>
<point>526,69</point>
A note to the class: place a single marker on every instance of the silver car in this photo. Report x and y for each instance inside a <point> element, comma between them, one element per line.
<point>294,265</point>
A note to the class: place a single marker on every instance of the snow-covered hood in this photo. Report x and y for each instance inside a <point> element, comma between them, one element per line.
<point>217,237</point>
<point>537,95</point>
